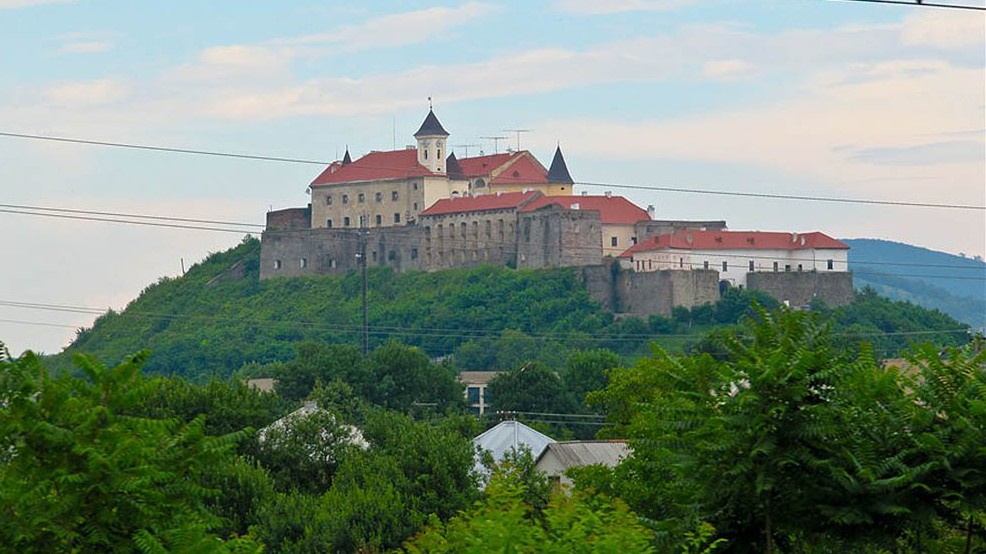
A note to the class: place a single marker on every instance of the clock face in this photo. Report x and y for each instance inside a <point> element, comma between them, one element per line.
<point>438,143</point>
<point>427,143</point>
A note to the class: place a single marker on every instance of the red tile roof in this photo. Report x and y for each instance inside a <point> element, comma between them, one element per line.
<point>523,170</point>
<point>737,240</point>
<point>613,210</point>
<point>479,166</point>
<point>375,166</point>
<point>483,203</point>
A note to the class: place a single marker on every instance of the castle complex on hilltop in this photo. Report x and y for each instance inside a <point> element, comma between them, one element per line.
<point>422,208</point>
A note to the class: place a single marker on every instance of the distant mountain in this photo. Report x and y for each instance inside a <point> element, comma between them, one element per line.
<point>952,284</point>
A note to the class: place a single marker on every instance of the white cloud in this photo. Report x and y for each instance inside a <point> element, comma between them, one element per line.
<point>398,29</point>
<point>86,47</point>
<point>83,94</point>
<point>726,68</point>
<point>944,29</point>
<point>599,7</point>
<point>10,4</point>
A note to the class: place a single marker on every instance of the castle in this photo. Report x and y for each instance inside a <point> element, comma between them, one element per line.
<point>422,208</point>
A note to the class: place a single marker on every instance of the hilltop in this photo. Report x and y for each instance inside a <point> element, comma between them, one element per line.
<point>220,316</point>
<point>953,284</point>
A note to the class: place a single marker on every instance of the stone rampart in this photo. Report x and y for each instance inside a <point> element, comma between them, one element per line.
<point>800,288</point>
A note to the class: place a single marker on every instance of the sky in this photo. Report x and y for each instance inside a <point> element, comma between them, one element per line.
<point>795,97</point>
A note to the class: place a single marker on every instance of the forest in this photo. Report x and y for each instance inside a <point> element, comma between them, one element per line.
<point>774,435</point>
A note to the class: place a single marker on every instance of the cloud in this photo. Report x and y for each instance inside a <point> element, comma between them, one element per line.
<point>726,68</point>
<point>600,7</point>
<point>397,29</point>
<point>86,47</point>
<point>934,153</point>
<point>944,30</point>
<point>10,4</point>
<point>82,94</point>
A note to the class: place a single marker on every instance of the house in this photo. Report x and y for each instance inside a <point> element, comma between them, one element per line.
<point>477,399</point>
<point>507,436</point>
<point>353,435</point>
<point>559,457</point>
<point>390,188</point>
<point>738,254</point>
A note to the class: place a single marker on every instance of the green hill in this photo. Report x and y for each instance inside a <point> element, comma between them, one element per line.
<point>953,284</point>
<point>219,317</point>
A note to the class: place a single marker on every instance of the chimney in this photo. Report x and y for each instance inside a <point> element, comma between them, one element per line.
<point>575,206</point>
<point>608,193</point>
<point>585,193</point>
<point>651,211</point>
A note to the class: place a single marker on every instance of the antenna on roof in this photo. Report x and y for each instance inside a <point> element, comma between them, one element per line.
<point>466,147</point>
<point>518,131</point>
<point>496,143</point>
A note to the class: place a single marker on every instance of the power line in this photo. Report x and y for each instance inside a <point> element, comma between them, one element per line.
<point>919,4</point>
<point>136,216</point>
<point>38,323</point>
<point>583,183</point>
<point>407,241</point>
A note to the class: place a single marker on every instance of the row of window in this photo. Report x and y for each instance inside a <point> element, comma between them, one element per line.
<point>830,264</point>
<point>361,197</point>
<point>348,222</point>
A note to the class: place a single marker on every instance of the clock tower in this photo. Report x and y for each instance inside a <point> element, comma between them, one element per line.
<point>432,143</point>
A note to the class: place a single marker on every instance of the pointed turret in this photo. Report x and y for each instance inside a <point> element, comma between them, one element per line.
<point>346,160</point>
<point>431,127</point>
<point>452,168</point>
<point>558,172</point>
<point>431,143</point>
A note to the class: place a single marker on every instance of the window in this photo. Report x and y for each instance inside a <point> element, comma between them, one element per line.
<point>379,219</point>
<point>378,197</point>
<point>374,255</point>
<point>472,395</point>
<point>277,264</point>
<point>393,195</point>
<point>633,240</point>
<point>650,264</point>
<point>345,222</point>
<point>830,264</point>
<point>328,223</point>
<point>752,266</point>
<point>426,153</point>
<point>415,206</point>
<point>681,262</point>
<point>397,218</point>
<point>345,199</point>
<point>392,255</point>
<point>438,153</point>
<point>725,266</point>
<point>361,198</point>
<point>705,264</point>
<point>612,241</point>
<point>787,267</point>
<point>775,266</point>
<point>328,200</point>
<point>414,186</point>
<point>303,263</point>
<point>799,267</point>
<point>332,263</point>
<point>414,253</point>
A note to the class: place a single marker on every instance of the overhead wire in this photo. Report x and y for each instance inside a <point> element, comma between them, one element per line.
<point>65,213</point>
<point>919,4</point>
<point>256,157</point>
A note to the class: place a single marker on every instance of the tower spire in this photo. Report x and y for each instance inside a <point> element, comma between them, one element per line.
<point>558,172</point>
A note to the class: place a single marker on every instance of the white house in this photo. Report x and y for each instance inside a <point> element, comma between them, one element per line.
<point>735,253</point>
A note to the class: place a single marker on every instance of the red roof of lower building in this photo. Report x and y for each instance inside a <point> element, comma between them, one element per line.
<point>375,166</point>
<point>737,240</point>
<point>613,210</point>
<point>483,203</point>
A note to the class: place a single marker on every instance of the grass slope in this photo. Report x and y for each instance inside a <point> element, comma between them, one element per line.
<point>220,316</point>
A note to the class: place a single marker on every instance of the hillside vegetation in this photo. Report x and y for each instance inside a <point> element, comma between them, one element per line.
<point>219,317</point>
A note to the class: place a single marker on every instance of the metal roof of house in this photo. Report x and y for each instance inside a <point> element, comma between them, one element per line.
<point>508,435</point>
<point>587,453</point>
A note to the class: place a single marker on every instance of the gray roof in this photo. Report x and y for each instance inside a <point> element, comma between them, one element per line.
<point>477,377</point>
<point>587,453</point>
<point>509,435</point>
<point>431,127</point>
<point>558,172</point>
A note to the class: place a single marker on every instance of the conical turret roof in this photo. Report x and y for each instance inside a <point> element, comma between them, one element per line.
<point>452,167</point>
<point>431,126</point>
<point>558,172</point>
<point>346,159</point>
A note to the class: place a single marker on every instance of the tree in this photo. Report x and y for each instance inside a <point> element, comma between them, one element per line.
<point>78,474</point>
<point>531,388</point>
<point>503,522</point>
<point>586,370</point>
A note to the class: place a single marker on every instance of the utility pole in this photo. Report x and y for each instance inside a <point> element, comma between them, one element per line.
<point>363,233</point>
